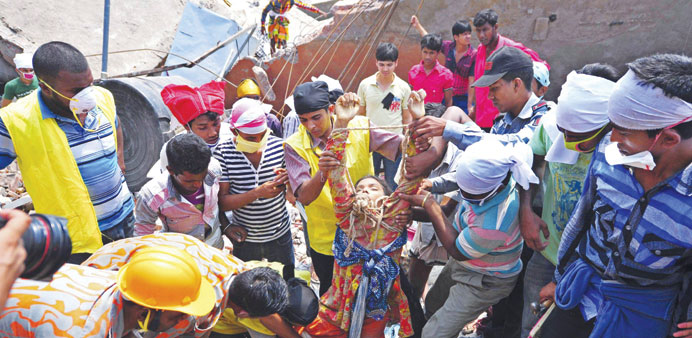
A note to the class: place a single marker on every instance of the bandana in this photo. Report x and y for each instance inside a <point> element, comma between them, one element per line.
<point>248,116</point>
<point>485,165</point>
<point>582,107</point>
<point>638,106</point>
<point>311,96</point>
<point>186,103</point>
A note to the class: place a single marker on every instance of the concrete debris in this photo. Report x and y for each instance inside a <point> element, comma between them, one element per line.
<point>11,184</point>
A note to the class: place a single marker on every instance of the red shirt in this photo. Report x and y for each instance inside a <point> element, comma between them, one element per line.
<point>485,110</point>
<point>435,83</point>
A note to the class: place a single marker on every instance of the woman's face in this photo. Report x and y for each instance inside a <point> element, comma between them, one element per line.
<point>371,187</point>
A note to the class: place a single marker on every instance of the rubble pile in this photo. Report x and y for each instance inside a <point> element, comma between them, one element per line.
<point>11,184</point>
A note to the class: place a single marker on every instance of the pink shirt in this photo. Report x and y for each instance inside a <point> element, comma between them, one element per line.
<point>485,110</point>
<point>435,83</point>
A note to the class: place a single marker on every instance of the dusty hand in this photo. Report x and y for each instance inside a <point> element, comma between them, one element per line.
<point>328,162</point>
<point>263,30</point>
<point>547,292</point>
<point>685,330</point>
<point>12,253</point>
<point>236,233</point>
<point>269,189</point>
<point>414,20</point>
<point>404,218</point>
<point>417,166</point>
<point>281,176</point>
<point>416,104</point>
<point>428,126</point>
<point>419,199</point>
<point>425,184</point>
<point>531,226</point>
<point>346,108</point>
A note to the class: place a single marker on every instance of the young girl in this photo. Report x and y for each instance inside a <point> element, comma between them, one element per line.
<point>366,290</point>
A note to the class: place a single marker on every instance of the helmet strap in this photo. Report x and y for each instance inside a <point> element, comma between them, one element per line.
<point>151,324</point>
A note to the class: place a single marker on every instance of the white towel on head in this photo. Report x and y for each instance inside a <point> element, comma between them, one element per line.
<point>582,107</point>
<point>485,164</point>
<point>639,106</point>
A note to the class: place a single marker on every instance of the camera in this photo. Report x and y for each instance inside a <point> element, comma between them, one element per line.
<point>47,244</point>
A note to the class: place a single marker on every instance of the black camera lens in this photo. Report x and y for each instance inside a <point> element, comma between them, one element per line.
<point>47,244</point>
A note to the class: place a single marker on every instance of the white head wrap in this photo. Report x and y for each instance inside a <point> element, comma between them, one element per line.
<point>248,116</point>
<point>485,164</point>
<point>23,60</point>
<point>581,107</point>
<point>332,84</point>
<point>644,107</point>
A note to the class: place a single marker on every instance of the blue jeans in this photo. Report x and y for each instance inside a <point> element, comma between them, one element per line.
<point>539,272</point>
<point>461,101</point>
<point>390,168</point>
<point>122,230</point>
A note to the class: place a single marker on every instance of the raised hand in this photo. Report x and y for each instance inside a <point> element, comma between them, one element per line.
<point>346,108</point>
<point>416,104</point>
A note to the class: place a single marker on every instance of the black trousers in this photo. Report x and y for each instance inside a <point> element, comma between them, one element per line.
<point>324,268</point>
<point>566,323</point>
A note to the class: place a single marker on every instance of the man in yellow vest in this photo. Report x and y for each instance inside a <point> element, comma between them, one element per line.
<point>307,169</point>
<point>67,142</point>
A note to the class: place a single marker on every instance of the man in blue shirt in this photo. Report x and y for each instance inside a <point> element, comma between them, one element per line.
<point>67,98</point>
<point>625,253</point>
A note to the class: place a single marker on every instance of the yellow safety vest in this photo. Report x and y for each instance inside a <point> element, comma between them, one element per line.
<point>49,169</point>
<point>358,160</point>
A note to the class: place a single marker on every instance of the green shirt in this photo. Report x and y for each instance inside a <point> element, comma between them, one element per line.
<point>17,89</point>
<point>563,185</point>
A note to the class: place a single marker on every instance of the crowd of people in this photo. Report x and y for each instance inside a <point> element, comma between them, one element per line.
<point>557,219</point>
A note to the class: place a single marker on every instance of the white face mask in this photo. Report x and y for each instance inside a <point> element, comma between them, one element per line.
<point>84,101</point>
<point>642,160</point>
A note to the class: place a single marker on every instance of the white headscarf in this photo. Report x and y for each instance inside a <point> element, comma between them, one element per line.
<point>23,60</point>
<point>645,107</point>
<point>582,107</point>
<point>485,164</point>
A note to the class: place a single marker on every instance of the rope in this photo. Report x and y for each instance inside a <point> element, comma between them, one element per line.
<point>319,50</point>
<point>314,63</point>
<point>164,52</point>
<point>399,126</point>
<point>293,52</point>
<point>377,39</point>
<point>370,35</point>
<point>403,37</point>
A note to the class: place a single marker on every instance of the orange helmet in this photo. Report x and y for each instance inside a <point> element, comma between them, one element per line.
<point>166,279</point>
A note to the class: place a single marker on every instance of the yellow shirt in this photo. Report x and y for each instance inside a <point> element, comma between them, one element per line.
<point>384,113</point>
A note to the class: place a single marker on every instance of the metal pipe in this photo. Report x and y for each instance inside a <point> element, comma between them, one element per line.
<point>192,63</point>
<point>106,23</point>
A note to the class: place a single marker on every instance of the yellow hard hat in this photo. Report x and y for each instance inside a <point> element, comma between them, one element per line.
<point>166,279</point>
<point>248,87</point>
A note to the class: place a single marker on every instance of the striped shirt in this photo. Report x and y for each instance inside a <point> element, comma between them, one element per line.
<point>489,234</point>
<point>97,161</point>
<point>509,129</point>
<point>632,236</point>
<point>265,219</point>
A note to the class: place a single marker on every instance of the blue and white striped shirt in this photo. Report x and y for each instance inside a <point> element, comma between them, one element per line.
<point>97,161</point>
<point>632,236</point>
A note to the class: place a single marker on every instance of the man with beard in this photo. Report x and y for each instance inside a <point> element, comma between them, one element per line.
<point>68,143</point>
